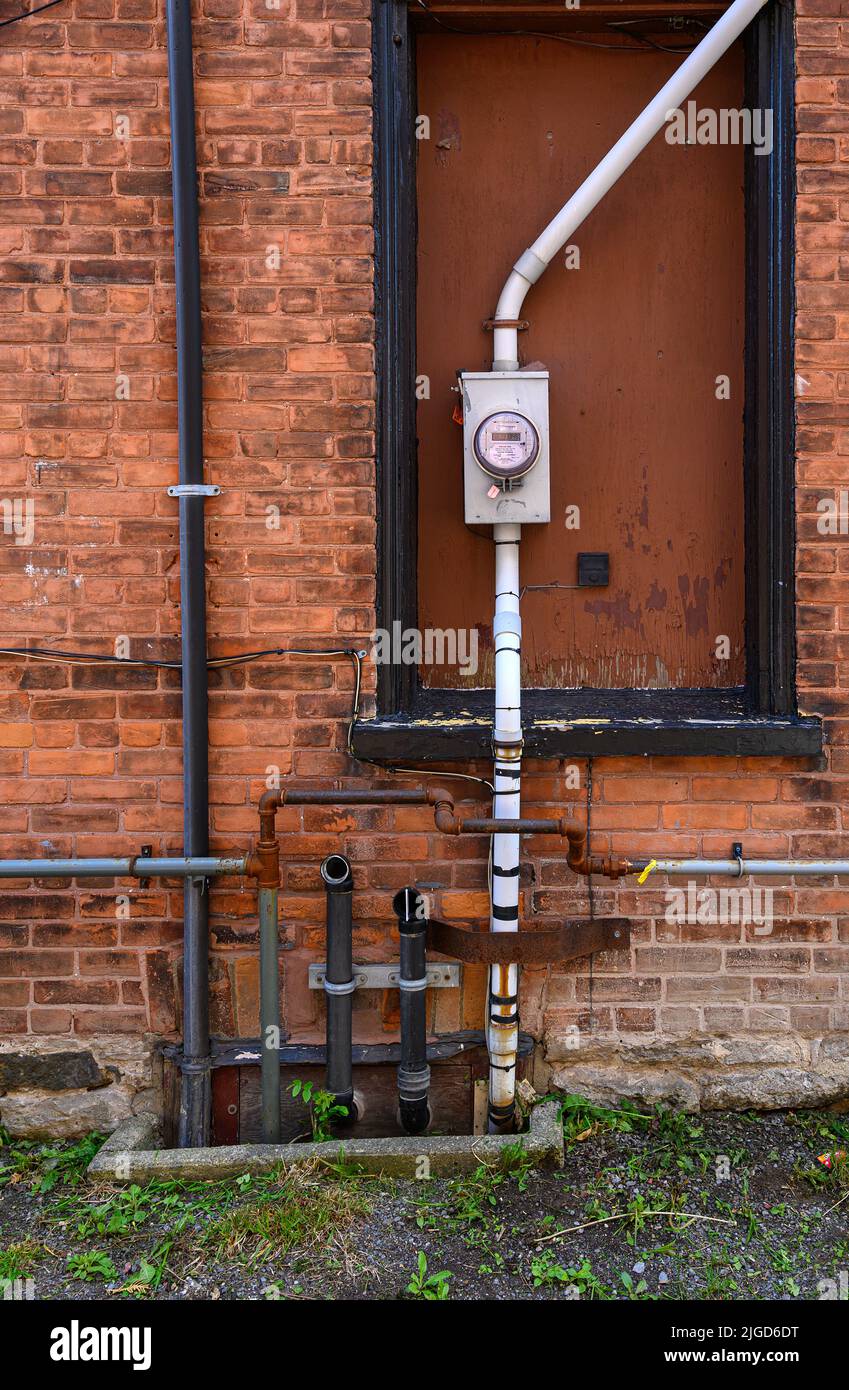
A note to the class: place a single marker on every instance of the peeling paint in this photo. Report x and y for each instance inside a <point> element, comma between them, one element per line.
<point>656,601</point>
<point>722,571</point>
<point>618,610</point>
<point>643,513</point>
<point>447,135</point>
<point>695,612</point>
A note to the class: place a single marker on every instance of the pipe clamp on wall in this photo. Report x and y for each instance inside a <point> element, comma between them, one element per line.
<point>347,988</point>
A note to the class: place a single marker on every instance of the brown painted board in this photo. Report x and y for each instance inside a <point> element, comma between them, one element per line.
<point>634,341</point>
<point>451,1096</point>
<point>451,1100</point>
<point>225,1105</point>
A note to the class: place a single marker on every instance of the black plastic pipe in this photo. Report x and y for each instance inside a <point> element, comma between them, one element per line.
<point>413,1071</point>
<point>195,1090</point>
<point>339,981</point>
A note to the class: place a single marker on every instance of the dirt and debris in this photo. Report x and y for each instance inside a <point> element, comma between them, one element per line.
<point>659,1206</point>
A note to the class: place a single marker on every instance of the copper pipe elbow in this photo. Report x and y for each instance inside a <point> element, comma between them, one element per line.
<point>269,804</point>
<point>443,810</point>
<point>264,861</point>
<point>582,863</point>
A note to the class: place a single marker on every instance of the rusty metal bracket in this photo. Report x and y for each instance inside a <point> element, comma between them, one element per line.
<point>490,325</point>
<point>569,941</point>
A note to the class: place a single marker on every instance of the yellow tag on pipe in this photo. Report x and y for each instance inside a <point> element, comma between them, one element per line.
<point>647,870</point>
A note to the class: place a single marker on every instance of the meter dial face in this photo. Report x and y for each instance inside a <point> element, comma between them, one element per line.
<point>506,445</point>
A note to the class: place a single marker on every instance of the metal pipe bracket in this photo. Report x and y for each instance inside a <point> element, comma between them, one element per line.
<point>570,941</point>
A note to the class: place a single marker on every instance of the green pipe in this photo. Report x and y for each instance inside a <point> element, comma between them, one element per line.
<point>269,1014</point>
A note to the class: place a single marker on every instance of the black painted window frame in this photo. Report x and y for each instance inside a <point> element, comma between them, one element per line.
<point>414,722</point>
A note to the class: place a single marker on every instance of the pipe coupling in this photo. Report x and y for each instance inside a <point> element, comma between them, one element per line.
<point>530,266</point>
<point>506,746</point>
<point>263,863</point>
<point>413,1085</point>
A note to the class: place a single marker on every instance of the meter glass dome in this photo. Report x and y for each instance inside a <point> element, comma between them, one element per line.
<point>506,445</point>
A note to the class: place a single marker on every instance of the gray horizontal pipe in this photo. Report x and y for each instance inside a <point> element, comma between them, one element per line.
<point>736,868</point>
<point>212,866</point>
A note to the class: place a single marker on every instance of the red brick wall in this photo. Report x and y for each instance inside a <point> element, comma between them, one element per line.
<point>91,757</point>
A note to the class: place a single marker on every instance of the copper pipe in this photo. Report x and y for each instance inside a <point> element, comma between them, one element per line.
<point>264,863</point>
<point>524,825</point>
<point>268,806</point>
<point>451,824</point>
<point>582,863</point>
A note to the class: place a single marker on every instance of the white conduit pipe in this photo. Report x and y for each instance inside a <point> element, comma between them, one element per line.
<point>503,1017</point>
<point>534,261</point>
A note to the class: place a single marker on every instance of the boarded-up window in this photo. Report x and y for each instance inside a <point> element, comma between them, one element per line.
<point>644,442</point>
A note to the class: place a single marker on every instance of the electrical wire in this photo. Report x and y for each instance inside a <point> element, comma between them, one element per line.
<point>433,772</point>
<point>98,659</point>
<point>27,14</point>
<point>213,663</point>
<point>354,655</point>
<point>643,45</point>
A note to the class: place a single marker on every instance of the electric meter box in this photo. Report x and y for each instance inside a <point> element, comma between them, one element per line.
<point>505,447</point>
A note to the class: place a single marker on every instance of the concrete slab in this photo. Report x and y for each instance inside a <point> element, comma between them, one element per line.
<point>131,1155</point>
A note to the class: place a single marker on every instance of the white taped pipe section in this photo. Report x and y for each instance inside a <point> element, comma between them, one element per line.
<point>533,262</point>
<point>503,1019</point>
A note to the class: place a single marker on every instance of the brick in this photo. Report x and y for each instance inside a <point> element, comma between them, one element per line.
<point>32,965</point>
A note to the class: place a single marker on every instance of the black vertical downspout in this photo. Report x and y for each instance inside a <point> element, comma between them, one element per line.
<point>194,1099</point>
<point>339,981</point>
<point>413,1072</point>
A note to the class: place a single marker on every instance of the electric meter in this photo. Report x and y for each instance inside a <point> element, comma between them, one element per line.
<point>506,445</point>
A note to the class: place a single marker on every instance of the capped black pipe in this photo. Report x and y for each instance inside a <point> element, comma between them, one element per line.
<point>413,1072</point>
<point>339,980</point>
<point>195,1094</point>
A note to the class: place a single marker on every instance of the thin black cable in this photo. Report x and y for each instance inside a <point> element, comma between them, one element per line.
<point>643,44</point>
<point>237,659</point>
<point>213,663</point>
<point>242,659</point>
<point>27,14</point>
<point>647,40</point>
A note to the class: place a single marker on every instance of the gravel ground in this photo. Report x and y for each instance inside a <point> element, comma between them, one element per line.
<point>755,1216</point>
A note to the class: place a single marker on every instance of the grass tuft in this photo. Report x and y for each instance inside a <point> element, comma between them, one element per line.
<point>304,1209</point>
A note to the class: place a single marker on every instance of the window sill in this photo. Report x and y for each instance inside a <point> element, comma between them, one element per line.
<point>456,726</point>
